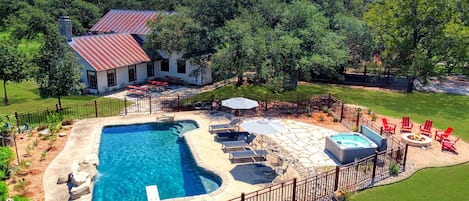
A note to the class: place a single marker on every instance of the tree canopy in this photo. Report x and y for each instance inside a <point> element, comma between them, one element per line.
<point>12,64</point>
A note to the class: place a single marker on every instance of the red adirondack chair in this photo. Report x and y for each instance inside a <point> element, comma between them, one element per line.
<point>406,125</point>
<point>426,129</point>
<point>388,127</point>
<point>442,135</point>
<point>449,145</point>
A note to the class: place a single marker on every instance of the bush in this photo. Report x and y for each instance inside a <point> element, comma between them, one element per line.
<point>336,119</point>
<point>394,169</point>
<point>325,109</point>
<point>6,155</point>
<point>321,118</point>
<point>3,190</point>
<point>373,117</point>
<point>355,129</point>
<point>20,198</point>
<point>41,127</point>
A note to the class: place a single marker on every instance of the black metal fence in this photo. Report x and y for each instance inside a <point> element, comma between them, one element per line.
<point>352,177</point>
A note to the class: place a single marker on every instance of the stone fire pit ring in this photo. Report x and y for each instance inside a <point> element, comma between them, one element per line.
<point>423,142</point>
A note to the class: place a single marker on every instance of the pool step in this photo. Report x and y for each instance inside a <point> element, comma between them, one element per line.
<point>152,193</point>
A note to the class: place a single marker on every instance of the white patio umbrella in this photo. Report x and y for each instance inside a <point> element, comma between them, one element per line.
<point>239,103</point>
<point>262,127</point>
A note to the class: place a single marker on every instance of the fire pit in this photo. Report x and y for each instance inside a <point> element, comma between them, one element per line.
<point>416,139</point>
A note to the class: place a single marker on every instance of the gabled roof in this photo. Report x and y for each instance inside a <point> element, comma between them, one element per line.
<point>109,51</point>
<point>125,21</point>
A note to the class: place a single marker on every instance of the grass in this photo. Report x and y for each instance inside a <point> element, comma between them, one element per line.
<point>444,109</point>
<point>28,47</point>
<point>444,184</point>
<point>24,97</point>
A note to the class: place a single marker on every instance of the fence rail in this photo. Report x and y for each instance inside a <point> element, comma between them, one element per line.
<point>351,177</point>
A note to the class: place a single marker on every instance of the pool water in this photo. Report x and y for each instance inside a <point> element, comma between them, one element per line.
<point>132,157</point>
<point>351,140</point>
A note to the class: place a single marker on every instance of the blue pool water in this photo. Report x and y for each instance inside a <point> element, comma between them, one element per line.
<point>132,157</point>
<point>352,140</point>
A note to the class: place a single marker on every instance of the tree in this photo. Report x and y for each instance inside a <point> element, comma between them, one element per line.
<point>413,33</point>
<point>12,64</point>
<point>59,72</point>
<point>29,22</point>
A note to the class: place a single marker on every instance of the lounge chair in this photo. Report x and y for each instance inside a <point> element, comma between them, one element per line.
<point>230,135</point>
<point>388,127</point>
<point>237,144</point>
<point>251,154</point>
<point>449,145</point>
<point>442,135</point>
<point>406,125</point>
<point>426,129</point>
<point>224,127</point>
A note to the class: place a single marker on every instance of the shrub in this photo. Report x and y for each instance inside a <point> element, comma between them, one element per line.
<point>67,122</point>
<point>321,118</point>
<point>20,185</point>
<point>3,190</point>
<point>329,113</point>
<point>336,119</point>
<point>325,109</point>
<point>373,117</point>
<point>369,111</point>
<point>394,169</point>
<point>6,155</point>
<point>20,198</point>
<point>43,156</point>
<point>355,129</point>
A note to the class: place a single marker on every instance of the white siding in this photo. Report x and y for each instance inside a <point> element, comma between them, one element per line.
<point>186,76</point>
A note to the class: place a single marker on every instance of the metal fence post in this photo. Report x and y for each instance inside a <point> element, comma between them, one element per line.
<point>294,189</point>
<point>375,161</point>
<point>125,106</point>
<point>297,102</point>
<point>95,108</point>
<point>14,138</point>
<point>149,98</point>
<point>405,155</point>
<point>358,119</point>
<point>243,197</point>
<point>57,108</point>
<point>266,98</point>
<point>29,118</point>
<point>178,104</point>
<point>329,100</point>
<point>342,112</point>
<point>336,181</point>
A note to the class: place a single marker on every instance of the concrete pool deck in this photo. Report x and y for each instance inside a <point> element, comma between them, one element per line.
<point>303,142</point>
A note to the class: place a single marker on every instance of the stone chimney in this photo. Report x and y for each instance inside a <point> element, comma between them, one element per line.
<point>65,27</point>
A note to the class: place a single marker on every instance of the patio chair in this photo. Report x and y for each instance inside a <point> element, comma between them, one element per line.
<point>388,127</point>
<point>442,135</point>
<point>230,135</point>
<point>237,144</point>
<point>426,129</point>
<point>248,154</point>
<point>406,125</point>
<point>224,127</point>
<point>449,145</point>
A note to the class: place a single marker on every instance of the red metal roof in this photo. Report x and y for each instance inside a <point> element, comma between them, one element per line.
<point>109,51</point>
<point>125,21</point>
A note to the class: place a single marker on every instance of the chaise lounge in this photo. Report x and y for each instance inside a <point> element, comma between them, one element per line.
<point>237,144</point>
<point>230,135</point>
<point>248,154</point>
<point>224,127</point>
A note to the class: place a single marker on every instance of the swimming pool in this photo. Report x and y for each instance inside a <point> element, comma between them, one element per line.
<point>132,157</point>
<point>347,147</point>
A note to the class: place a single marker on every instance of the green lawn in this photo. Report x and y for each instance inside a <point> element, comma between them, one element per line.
<point>443,184</point>
<point>28,47</point>
<point>444,109</point>
<point>24,97</point>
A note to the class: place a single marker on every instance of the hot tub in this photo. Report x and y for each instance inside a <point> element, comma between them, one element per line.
<point>347,147</point>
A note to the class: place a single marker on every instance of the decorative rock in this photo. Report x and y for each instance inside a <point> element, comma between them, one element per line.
<point>75,166</point>
<point>62,180</point>
<point>89,168</point>
<point>83,189</point>
<point>79,178</point>
<point>44,132</point>
<point>62,134</point>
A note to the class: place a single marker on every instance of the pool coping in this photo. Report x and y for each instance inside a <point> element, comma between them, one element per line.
<point>86,135</point>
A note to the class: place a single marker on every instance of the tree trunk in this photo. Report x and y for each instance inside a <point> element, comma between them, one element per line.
<point>5,100</point>
<point>60,102</point>
<point>410,84</point>
<point>240,80</point>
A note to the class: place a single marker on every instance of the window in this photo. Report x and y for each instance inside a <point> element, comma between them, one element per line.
<point>165,65</point>
<point>111,78</point>
<point>150,69</point>
<point>182,66</point>
<point>132,73</point>
<point>92,82</point>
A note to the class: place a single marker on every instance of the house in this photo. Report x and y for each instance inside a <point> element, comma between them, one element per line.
<point>113,56</point>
